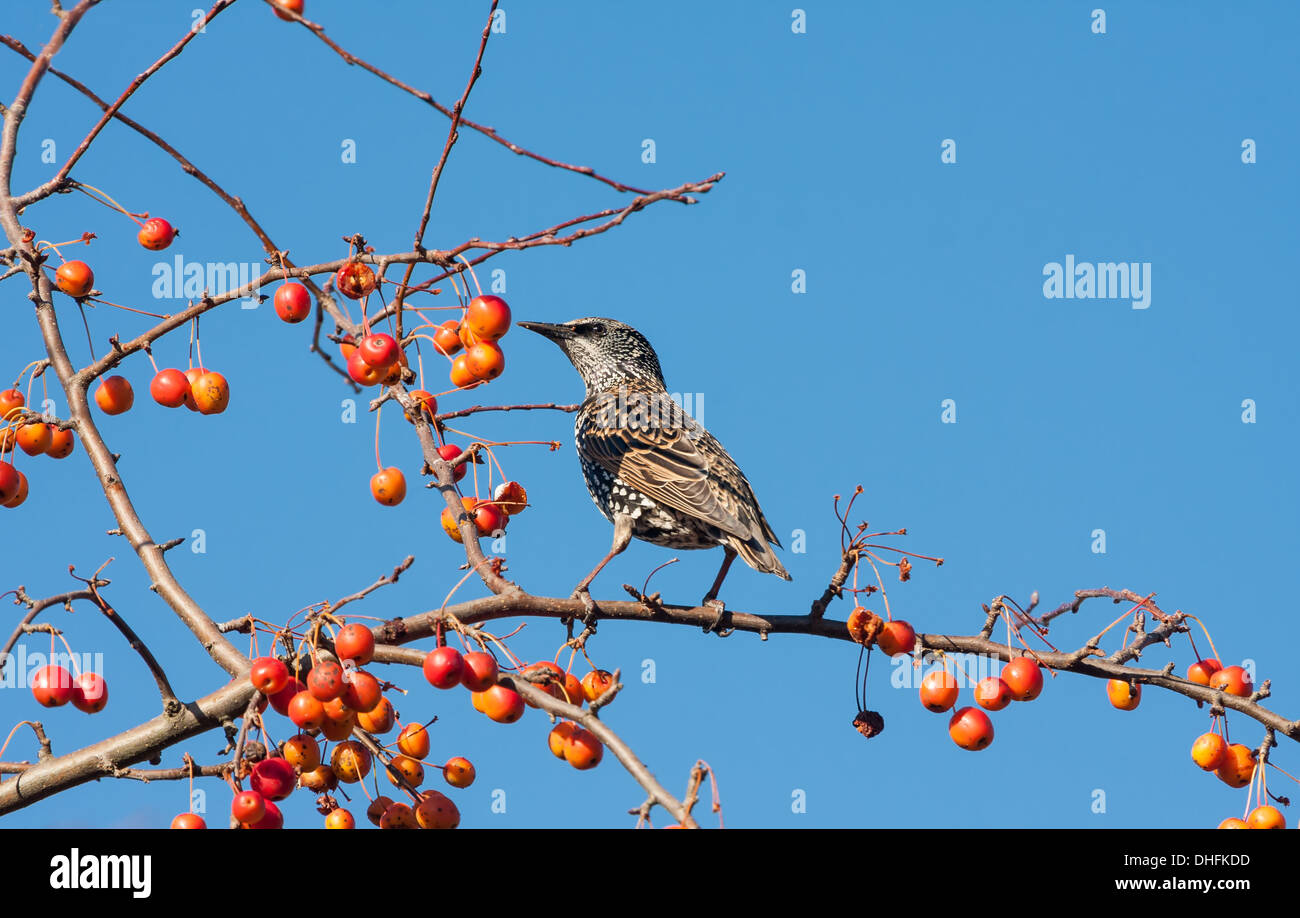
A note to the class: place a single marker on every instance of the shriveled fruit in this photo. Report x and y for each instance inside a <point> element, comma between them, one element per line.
<point>355,280</point>
<point>114,395</point>
<point>1124,695</point>
<point>388,486</point>
<point>939,691</point>
<point>511,497</point>
<point>970,728</point>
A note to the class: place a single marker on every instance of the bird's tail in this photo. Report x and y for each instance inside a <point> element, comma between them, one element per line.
<point>759,555</point>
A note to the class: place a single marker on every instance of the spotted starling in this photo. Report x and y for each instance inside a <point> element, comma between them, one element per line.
<point>651,468</point>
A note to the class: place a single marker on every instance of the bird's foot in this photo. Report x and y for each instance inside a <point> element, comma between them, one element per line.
<point>588,605</point>
<point>712,602</point>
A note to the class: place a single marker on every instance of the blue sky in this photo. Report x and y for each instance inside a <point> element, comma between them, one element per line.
<point>924,283</point>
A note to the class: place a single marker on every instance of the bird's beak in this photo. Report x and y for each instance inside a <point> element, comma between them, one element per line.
<point>556,333</point>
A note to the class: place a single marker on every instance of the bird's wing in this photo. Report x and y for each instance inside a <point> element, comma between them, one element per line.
<point>667,466</point>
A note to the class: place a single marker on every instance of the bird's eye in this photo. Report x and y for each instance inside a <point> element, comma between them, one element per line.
<point>591,329</point>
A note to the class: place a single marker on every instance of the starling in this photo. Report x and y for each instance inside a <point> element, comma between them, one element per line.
<point>652,469</point>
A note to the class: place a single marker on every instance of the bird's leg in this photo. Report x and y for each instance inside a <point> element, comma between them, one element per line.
<point>622,537</point>
<point>711,598</point>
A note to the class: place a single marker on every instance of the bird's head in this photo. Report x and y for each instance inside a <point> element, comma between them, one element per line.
<point>605,352</point>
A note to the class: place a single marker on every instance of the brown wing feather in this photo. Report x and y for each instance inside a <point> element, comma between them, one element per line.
<point>669,470</point>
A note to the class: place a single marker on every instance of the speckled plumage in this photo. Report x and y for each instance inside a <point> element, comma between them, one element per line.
<point>646,460</point>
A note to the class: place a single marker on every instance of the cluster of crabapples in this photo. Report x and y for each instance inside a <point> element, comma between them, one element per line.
<point>332,703</point>
<point>1234,764</point>
<point>53,687</point>
<point>446,667</point>
<point>970,728</point>
<point>34,438</point>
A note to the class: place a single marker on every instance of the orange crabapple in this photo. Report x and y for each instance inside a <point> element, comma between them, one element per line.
<point>1124,695</point>
<point>388,486</point>
<point>459,772</point>
<point>970,728</point>
<point>897,637</point>
<point>156,234</point>
<point>939,691</point>
<point>114,395</point>
<point>75,278</point>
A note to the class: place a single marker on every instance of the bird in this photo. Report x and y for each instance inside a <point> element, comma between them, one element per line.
<point>654,471</point>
